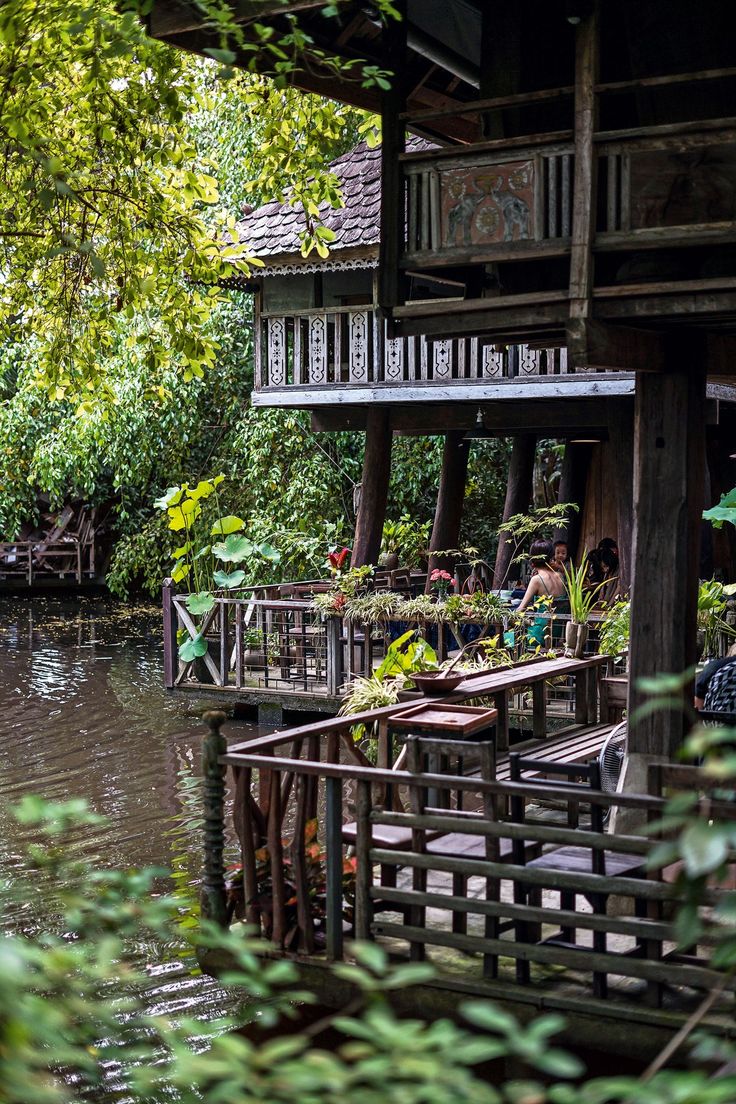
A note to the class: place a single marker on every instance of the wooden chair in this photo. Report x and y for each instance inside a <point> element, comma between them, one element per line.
<point>582,777</point>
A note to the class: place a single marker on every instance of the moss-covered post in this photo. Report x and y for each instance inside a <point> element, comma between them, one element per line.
<point>212,897</point>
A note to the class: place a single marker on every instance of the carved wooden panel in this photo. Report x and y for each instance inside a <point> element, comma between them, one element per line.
<point>528,361</point>
<point>360,323</point>
<point>442,360</point>
<point>393,368</point>
<point>493,358</point>
<point>318,349</point>
<point>670,188</point>
<point>276,345</point>
<point>482,205</point>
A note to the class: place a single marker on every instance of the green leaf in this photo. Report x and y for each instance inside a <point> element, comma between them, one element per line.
<point>489,1016</point>
<point>200,603</point>
<point>229,524</point>
<point>268,552</point>
<point>703,849</point>
<point>229,580</point>
<point>234,549</point>
<point>180,552</point>
<point>193,648</point>
<point>180,571</point>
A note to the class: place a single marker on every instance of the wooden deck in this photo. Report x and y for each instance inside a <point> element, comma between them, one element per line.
<point>448,867</point>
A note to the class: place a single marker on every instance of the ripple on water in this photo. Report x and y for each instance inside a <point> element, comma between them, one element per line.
<point>85,715</point>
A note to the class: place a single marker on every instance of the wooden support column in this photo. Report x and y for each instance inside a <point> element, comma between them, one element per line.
<point>621,437</point>
<point>669,457</point>
<point>573,483</point>
<point>374,488</point>
<point>721,444</point>
<point>518,496</point>
<point>393,144</point>
<point>449,512</point>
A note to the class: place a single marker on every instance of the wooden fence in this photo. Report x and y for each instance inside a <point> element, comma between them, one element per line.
<point>484,908</point>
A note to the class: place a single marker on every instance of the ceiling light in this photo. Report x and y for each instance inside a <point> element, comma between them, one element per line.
<point>479,431</point>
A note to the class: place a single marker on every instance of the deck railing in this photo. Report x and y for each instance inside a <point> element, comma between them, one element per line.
<point>275,644</point>
<point>63,559</point>
<point>348,347</point>
<point>446,906</point>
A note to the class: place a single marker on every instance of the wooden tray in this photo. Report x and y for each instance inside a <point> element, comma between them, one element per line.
<point>461,719</point>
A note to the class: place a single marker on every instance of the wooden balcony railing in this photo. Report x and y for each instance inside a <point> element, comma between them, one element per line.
<point>424,901</point>
<point>348,347</point>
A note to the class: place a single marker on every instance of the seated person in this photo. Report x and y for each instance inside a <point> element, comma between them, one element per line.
<point>705,678</point>
<point>561,554</point>
<point>546,582</point>
<point>544,585</point>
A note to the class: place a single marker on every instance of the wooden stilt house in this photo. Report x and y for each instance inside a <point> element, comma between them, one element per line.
<point>583,199</point>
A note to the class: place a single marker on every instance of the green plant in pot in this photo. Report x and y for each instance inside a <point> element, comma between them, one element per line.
<point>404,543</point>
<point>582,597</point>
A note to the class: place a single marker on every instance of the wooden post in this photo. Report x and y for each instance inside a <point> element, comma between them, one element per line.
<point>573,484</point>
<point>213,897</point>
<point>584,187</point>
<point>621,437</point>
<point>393,143</point>
<point>374,488</point>
<point>518,497</point>
<point>171,657</point>
<point>449,512</point>
<point>333,865</point>
<point>669,456</point>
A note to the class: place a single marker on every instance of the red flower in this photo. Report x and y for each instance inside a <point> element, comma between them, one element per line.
<point>337,559</point>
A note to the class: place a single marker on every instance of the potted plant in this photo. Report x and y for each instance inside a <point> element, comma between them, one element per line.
<point>582,597</point>
<point>404,543</point>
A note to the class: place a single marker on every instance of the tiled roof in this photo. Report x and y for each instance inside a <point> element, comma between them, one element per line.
<point>272,231</point>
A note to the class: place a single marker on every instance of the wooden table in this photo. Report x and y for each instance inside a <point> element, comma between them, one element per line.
<point>507,680</point>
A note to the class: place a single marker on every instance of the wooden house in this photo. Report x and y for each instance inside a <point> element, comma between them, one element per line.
<point>583,198</point>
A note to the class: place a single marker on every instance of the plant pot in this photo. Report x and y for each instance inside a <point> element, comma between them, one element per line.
<point>391,561</point>
<point>576,637</point>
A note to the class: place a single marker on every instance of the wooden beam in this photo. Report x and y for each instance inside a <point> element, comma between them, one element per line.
<point>573,484</point>
<point>450,497</point>
<point>621,436</point>
<point>669,456</point>
<point>393,144</point>
<point>518,497</point>
<point>593,345</point>
<point>560,419</point>
<point>584,184</point>
<point>374,488</point>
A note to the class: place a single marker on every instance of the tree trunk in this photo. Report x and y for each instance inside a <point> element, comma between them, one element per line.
<point>669,457</point>
<point>374,488</point>
<point>450,495</point>
<point>518,497</point>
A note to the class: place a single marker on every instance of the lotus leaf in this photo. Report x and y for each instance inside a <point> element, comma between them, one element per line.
<point>193,648</point>
<point>171,497</point>
<point>229,524</point>
<point>177,521</point>
<point>180,571</point>
<point>234,549</point>
<point>178,553</point>
<point>229,580</point>
<point>200,603</point>
<point>269,552</point>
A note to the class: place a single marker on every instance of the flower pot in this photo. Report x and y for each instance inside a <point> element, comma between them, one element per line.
<point>391,561</point>
<point>576,637</point>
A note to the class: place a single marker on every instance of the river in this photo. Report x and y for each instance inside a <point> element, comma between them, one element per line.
<point>84,714</point>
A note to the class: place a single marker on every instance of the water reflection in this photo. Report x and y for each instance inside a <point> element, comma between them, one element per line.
<point>85,715</point>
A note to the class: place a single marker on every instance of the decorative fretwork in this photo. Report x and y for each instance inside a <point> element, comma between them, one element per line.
<point>442,360</point>
<point>393,369</point>
<point>493,358</point>
<point>318,349</point>
<point>276,352</point>
<point>359,346</point>
<point>528,361</point>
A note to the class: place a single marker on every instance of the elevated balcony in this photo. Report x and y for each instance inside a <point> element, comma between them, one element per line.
<point>343,355</point>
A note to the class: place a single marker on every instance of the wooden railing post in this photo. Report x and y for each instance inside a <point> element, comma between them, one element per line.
<point>334,659</point>
<point>171,658</point>
<point>213,897</point>
<point>333,864</point>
